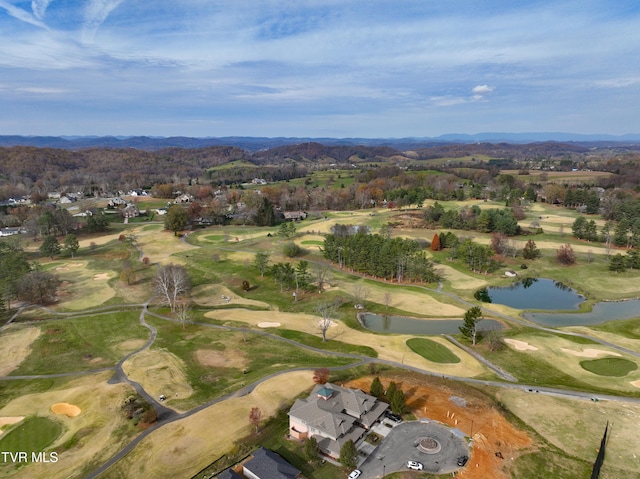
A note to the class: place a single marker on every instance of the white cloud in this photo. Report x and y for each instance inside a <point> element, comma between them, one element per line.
<point>39,8</point>
<point>482,89</point>
<point>42,91</point>
<point>95,14</point>
<point>21,14</point>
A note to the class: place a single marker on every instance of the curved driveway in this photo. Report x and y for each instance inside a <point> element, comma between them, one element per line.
<point>400,446</point>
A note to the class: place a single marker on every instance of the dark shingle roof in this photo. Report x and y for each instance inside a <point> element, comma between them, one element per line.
<point>270,465</point>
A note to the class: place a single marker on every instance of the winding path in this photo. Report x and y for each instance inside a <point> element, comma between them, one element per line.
<point>167,415</point>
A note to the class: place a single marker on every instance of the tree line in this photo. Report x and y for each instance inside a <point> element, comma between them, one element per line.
<point>382,257</point>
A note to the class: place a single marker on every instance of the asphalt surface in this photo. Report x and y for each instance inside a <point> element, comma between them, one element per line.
<point>400,446</point>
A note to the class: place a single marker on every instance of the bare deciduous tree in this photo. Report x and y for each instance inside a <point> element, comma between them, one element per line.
<point>321,273</point>
<point>255,416</point>
<point>327,311</point>
<point>171,283</point>
<point>183,310</point>
<point>360,294</point>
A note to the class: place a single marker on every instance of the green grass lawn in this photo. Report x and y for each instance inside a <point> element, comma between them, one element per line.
<point>258,356</point>
<point>33,434</point>
<point>617,367</point>
<point>80,344</point>
<point>432,351</point>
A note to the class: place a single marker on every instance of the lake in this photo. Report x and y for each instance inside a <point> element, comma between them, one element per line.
<point>404,325</point>
<point>533,293</point>
<point>601,313</point>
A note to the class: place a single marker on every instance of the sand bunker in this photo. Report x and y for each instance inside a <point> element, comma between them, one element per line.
<point>5,421</point>
<point>636,383</point>
<point>520,345</point>
<point>268,324</point>
<point>71,410</point>
<point>589,352</point>
<point>100,276</point>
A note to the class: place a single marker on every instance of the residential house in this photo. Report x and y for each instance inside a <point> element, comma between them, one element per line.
<point>266,464</point>
<point>334,415</point>
<point>10,231</point>
<point>131,211</point>
<point>294,215</point>
<point>184,198</point>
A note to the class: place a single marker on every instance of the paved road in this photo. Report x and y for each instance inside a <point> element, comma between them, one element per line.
<point>167,415</point>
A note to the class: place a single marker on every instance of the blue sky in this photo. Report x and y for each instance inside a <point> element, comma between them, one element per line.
<point>318,68</point>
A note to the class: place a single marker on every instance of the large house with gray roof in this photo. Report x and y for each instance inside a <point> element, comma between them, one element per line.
<point>334,415</point>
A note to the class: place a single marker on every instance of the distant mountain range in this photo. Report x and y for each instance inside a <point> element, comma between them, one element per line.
<point>261,143</point>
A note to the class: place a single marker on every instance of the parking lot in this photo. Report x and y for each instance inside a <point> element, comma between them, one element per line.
<point>401,445</point>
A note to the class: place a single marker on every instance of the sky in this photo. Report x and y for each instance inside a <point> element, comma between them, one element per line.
<point>318,68</point>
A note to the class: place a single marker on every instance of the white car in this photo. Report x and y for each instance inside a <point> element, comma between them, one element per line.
<point>416,466</point>
<point>355,474</point>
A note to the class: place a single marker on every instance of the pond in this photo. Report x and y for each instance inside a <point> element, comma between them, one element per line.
<point>533,293</point>
<point>404,325</point>
<point>601,313</point>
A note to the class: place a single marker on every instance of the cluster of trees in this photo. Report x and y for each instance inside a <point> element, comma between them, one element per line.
<point>19,279</point>
<point>51,247</point>
<point>474,218</point>
<point>393,259</point>
<point>625,233</point>
<point>619,263</point>
<point>393,395</point>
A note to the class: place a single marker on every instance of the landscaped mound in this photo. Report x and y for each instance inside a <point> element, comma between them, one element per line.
<point>71,410</point>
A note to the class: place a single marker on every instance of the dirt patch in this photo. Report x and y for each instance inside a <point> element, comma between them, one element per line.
<point>589,352</point>
<point>441,401</point>
<point>220,359</point>
<point>520,345</point>
<point>100,276</point>
<point>16,346</point>
<point>70,410</point>
<point>268,324</point>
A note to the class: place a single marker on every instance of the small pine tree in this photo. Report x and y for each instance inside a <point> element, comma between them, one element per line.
<point>398,402</point>
<point>530,250</point>
<point>377,390</point>
<point>391,390</point>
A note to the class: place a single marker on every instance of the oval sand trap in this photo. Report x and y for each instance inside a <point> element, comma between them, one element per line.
<point>268,324</point>
<point>70,410</point>
<point>520,345</point>
<point>589,352</point>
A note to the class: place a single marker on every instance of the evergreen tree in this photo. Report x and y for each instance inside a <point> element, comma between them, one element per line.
<point>621,233</point>
<point>377,389</point>
<point>469,328</point>
<point>578,227</point>
<point>391,390</point>
<point>398,402</point>
<point>265,216</point>
<point>71,244</point>
<point>349,454</point>
<point>530,250</point>
<point>617,263</point>
<point>50,246</point>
